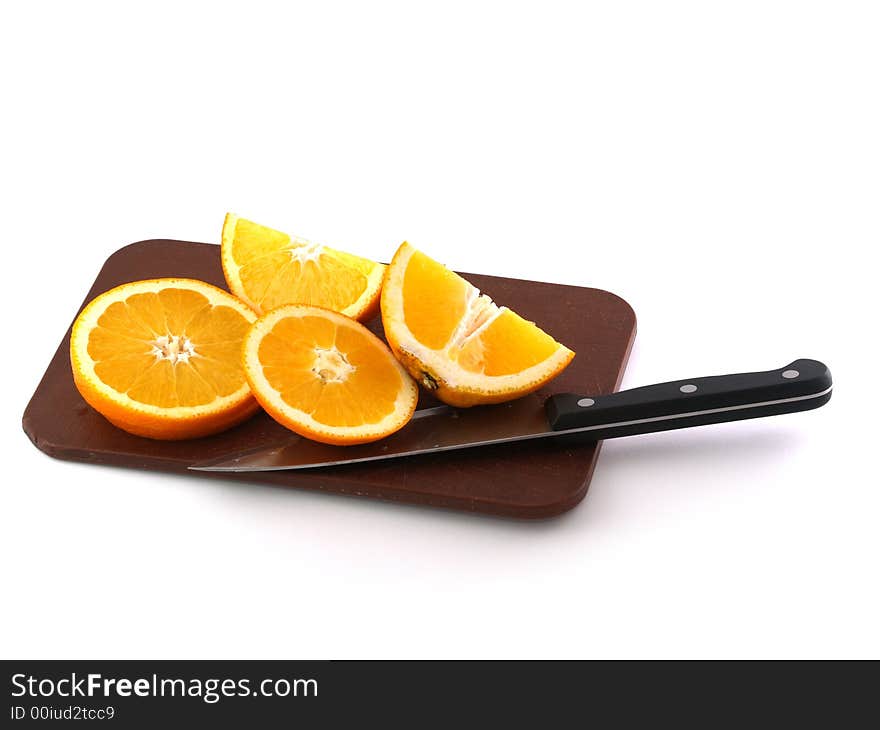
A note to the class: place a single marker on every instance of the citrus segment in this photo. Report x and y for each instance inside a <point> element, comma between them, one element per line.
<point>508,345</point>
<point>434,301</point>
<point>267,269</point>
<point>162,358</point>
<point>326,377</point>
<point>457,342</point>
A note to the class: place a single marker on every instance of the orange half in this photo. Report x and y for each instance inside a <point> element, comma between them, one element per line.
<point>326,377</point>
<point>267,269</point>
<point>457,342</point>
<point>162,358</point>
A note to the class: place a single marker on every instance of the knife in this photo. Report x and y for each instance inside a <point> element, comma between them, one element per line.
<point>800,386</point>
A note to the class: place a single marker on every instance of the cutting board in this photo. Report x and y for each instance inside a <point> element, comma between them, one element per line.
<point>526,480</point>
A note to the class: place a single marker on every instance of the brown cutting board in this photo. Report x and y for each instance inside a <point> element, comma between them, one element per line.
<point>528,479</point>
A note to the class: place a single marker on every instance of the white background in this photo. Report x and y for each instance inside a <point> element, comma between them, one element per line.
<point>716,164</point>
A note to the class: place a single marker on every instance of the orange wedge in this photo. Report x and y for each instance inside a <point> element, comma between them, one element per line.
<point>457,342</point>
<point>267,268</point>
<point>162,358</point>
<point>326,377</point>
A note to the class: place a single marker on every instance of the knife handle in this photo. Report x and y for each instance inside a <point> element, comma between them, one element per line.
<point>800,386</point>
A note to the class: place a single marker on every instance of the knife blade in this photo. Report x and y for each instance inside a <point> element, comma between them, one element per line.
<point>802,385</point>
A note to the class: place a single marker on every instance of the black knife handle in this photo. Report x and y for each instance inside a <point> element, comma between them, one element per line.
<point>800,386</point>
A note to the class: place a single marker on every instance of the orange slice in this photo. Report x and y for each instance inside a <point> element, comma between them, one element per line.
<point>326,377</point>
<point>458,343</point>
<point>267,268</point>
<point>162,358</point>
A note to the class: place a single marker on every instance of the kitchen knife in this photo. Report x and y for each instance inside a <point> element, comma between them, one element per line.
<point>800,386</point>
